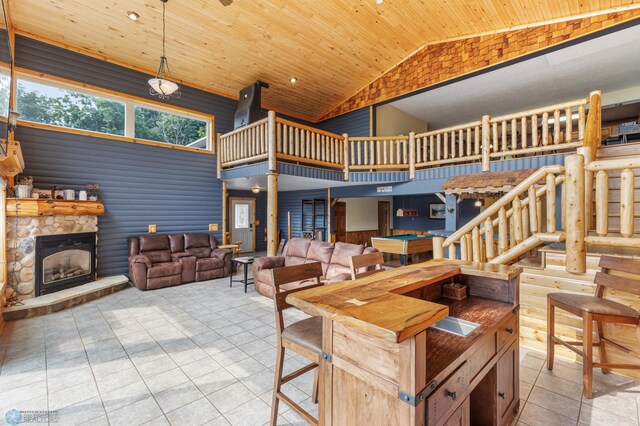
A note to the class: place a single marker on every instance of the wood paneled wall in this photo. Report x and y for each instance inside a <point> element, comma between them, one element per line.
<point>361,237</point>
<point>440,62</point>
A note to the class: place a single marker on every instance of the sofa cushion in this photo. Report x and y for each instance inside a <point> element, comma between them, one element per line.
<point>176,241</point>
<point>155,247</point>
<point>199,252</point>
<point>164,269</point>
<point>340,261</point>
<point>209,264</point>
<point>196,241</point>
<point>320,252</point>
<point>296,250</point>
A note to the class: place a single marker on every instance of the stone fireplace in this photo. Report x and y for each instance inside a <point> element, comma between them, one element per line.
<point>24,232</point>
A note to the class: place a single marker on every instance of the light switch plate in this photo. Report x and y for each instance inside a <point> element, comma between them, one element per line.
<point>213,227</point>
<point>152,229</point>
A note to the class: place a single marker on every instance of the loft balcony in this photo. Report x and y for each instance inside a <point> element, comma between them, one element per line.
<point>524,139</point>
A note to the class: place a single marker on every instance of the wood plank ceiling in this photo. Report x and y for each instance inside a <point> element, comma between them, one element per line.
<point>333,47</point>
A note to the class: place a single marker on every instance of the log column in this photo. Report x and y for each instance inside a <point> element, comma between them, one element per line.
<point>272,218</point>
<point>575,215</point>
<point>486,165</point>
<point>224,212</point>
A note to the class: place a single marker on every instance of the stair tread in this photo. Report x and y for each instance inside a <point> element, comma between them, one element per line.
<point>559,248</point>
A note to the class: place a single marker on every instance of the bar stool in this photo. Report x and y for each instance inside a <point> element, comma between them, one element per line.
<point>303,337</point>
<point>364,263</point>
<point>618,274</point>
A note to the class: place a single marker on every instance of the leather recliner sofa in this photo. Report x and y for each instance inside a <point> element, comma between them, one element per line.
<point>334,258</point>
<point>157,261</point>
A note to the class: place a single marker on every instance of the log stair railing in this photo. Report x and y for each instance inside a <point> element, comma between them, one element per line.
<point>556,128</point>
<point>513,225</point>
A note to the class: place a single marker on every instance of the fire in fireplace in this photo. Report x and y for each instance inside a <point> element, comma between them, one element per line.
<point>64,261</point>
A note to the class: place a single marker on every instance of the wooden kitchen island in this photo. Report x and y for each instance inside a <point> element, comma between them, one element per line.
<point>383,365</point>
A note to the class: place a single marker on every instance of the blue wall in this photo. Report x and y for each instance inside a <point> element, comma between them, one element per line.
<point>355,123</point>
<point>261,215</point>
<point>139,185</point>
<point>291,201</point>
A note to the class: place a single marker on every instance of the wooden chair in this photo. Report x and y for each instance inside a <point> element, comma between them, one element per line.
<point>237,251</point>
<point>618,274</point>
<point>303,337</point>
<point>366,261</point>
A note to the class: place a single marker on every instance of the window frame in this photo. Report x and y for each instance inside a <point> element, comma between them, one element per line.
<point>130,102</point>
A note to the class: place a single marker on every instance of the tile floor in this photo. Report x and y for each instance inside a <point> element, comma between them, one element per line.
<point>204,353</point>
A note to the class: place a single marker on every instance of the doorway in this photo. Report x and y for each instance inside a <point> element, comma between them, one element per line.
<point>340,221</point>
<point>383,218</point>
<point>243,218</point>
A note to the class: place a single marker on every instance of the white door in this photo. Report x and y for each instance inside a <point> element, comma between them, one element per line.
<point>242,223</point>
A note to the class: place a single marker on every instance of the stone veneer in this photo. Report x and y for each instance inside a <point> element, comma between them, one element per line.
<point>21,233</point>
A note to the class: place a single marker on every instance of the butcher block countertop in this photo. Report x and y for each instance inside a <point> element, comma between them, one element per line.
<point>377,306</point>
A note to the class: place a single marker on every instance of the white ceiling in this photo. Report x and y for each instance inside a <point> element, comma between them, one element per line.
<point>285,183</point>
<point>608,63</point>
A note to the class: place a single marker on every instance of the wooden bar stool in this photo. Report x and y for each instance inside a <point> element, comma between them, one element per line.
<point>303,337</point>
<point>361,264</point>
<point>618,274</point>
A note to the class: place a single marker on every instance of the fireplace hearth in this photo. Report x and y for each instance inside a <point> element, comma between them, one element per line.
<point>64,261</point>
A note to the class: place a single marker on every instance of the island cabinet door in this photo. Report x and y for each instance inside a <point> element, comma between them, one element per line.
<point>461,416</point>
<point>508,384</point>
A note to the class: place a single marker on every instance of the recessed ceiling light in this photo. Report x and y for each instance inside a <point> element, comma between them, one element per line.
<point>379,1</point>
<point>293,80</point>
<point>133,16</point>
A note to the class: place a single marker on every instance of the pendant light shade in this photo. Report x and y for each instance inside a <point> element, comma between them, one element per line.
<point>163,84</point>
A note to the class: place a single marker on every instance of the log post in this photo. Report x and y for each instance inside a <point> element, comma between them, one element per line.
<point>271,142</point>
<point>289,226</point>
<point>412,155</point>
<point>272,215</point>
<point>438,249</point>
<point>329,214</point>
<point>486,166</point>
<point>602,203</point>
<point>488,238</point>
<point>593,131</point>
<point>589,155</point>
<point>475,238</point>
<point>218,157</point>
<point>224,212</point>
<point>345,151</point>
<point>517,220</point>
<point>533,211</point>
<point>576,260</point>
<point>551,202</point>
<point>503,224</point>
<point>626,203</point>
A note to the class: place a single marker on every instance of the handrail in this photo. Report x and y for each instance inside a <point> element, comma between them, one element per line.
<point>301,143</point>
<point>504,201</point>
<point>541,110</point>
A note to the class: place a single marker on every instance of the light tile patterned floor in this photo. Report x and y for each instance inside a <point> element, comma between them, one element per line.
<point>204,353</point>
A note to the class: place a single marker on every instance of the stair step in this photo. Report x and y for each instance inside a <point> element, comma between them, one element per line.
<point>531,262</point>
<point>618,151</point>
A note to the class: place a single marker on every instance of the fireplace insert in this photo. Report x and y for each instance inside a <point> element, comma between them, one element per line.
<point>64,261</point>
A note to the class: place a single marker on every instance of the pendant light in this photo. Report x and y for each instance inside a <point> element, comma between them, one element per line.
<point>163,84</point>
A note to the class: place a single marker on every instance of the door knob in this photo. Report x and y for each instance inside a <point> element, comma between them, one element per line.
<point>510,330</point>
<point>501,395</point>
<point>452,395</point>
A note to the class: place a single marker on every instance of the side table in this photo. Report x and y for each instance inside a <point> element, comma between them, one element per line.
<point>246,261</point>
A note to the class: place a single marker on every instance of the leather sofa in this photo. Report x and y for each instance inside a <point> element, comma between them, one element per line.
<point>334,258</point>
<point>157,261</point>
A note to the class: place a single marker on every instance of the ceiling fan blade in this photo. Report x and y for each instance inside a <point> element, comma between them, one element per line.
<point>226,2</point>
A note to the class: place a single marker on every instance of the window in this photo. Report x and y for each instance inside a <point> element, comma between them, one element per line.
<point>5,86</point>
<point>170,128</point>
<point>60,107</point>
<point>42,101</point>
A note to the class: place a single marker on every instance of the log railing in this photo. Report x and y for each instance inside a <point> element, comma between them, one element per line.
<point>554,128</point>
<point>297,142</point>
<point>244,145</point>
<point>451,145</point>
<point>615,177</point>
<point>513,225</point>
<point>379,153</point>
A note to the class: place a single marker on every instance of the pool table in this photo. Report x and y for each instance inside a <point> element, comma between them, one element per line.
<point>403,245</point>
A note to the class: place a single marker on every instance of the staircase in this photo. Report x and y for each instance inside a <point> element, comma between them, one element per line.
<point>599,215</point>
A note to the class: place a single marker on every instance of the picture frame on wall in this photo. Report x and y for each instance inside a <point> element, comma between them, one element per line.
<point>437,211</point>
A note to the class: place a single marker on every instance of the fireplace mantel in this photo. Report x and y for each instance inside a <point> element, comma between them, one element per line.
<point>37,207</point>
